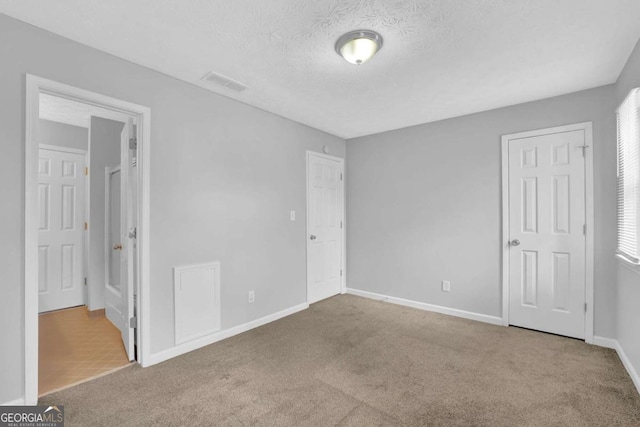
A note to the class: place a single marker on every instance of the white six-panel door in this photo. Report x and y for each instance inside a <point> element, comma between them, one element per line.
<point>546,239</point>
<point>325,245</point>
<point>61,234</point>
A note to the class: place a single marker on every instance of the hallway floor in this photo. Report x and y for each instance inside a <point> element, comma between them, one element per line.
<point>75,347</point>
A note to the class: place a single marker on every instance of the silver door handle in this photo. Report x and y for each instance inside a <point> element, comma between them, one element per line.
<point>312,237</point>
<point>515,242</point>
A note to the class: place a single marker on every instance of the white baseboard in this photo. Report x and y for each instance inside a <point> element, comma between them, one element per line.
<point>219,336</point>
<point>17,402</point>
<point>628,366</point>
<point>605,342</point>
<point>614,344</point>
<point>494,320</point>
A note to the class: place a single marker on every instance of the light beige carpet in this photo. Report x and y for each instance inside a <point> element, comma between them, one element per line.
<point>350,361</point>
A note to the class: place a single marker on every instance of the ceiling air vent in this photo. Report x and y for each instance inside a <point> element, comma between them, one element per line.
<point>220,80</point>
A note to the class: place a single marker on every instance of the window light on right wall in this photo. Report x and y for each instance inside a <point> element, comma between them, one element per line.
<point>628,120</point>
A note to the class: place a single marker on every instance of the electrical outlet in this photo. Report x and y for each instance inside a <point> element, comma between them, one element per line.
<point>252,296</point>
<point>446,286</point>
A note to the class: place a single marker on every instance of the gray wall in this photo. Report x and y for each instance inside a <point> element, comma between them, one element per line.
<point>423,205</point>
<point>224,177</point>
<point>105,151</point>
<point>62,135</point>
<point>629,277</point>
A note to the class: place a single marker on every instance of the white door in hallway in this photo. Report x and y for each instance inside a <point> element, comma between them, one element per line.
<point>121,235</point>
<point>547,223</point>
<point>61,231</point>
<point>325,221</point>
<point>113,247</point>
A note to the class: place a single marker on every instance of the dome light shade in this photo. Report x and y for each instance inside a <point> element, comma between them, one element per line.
<point>357,47</point>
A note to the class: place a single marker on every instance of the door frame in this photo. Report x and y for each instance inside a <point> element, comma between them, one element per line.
<point>87,200</point>
<point>34,86</point>
<point>343,279</point>
<point>587,128</point>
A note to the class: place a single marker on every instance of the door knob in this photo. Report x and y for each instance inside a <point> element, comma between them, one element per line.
<point>117,247</point>
<point>515,242</point>
<point>312,237</point>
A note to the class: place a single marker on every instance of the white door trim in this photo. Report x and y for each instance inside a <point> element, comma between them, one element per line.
<point>34,86</point>
<point>343,280</point>
<point>587,127</point>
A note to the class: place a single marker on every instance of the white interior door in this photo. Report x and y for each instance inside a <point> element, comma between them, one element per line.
<point>325,219</point>
<point>114,236</point>
<point>547,240</point>
<point>61,234</point>
<point>121,236</point>
<point>113,247</point>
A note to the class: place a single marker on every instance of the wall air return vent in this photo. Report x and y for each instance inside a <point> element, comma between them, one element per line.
<point>224,81</point>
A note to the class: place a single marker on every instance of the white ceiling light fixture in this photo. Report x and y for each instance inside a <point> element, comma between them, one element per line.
<point>357,47</point>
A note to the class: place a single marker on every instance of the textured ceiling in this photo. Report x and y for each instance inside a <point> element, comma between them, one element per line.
<point>441,58</point>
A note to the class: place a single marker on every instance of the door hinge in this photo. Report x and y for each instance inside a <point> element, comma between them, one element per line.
<point>340,273</point>
<point>133,143</point>
<point>86,225</point>
<point>133,232</point>
<point>85,281</point>
<point>584,229</point>
<point>340,224</point>
<point>584,150</point>
<point>585,307</point>
<point>133,322</point>
<point>340,177</point>
<point>86,170</point>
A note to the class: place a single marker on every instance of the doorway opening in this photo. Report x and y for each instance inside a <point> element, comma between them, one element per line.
<point>86,242</point>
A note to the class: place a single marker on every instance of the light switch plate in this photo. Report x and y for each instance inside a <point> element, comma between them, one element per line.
<point>446,286</point>
<point>292,215</point>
